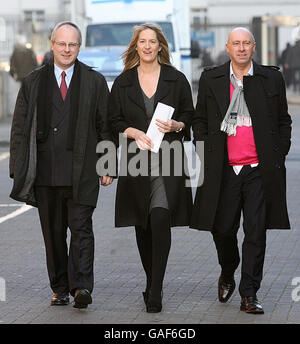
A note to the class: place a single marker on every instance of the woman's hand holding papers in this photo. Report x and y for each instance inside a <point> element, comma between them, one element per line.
<point>169,126</point>
<point>141,139</point>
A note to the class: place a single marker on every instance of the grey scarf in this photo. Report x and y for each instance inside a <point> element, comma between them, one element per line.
<point>237,114</point>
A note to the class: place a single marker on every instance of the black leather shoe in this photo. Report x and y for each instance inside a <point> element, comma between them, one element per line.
<point>250,304</point>
<point>153,305</point>
<point>60,299</point>
<point>225,288</point>
<point>82,298</point>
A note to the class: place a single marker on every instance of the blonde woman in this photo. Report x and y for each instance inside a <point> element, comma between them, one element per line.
<point>153,204</point>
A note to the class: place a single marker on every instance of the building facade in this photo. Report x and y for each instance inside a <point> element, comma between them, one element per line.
<point>34,20</point>
<point>274,23</point>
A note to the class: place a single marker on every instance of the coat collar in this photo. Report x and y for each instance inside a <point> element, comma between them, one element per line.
<point>129,79</point>
<point>220,84</point>
<point>224,70</point>
<point>168,75</point>
<point>261,70</point>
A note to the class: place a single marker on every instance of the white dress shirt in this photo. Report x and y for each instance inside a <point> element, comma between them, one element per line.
<point>68,77</point>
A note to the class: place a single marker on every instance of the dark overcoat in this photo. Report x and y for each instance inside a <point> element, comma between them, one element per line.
<point>91,128</point>
<point>266,99</point>
<point>127,109</point>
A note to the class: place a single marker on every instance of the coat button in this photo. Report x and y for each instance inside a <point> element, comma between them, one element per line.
<point>55,129</point>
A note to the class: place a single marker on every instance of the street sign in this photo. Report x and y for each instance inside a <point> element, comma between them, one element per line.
<point>206,39</point>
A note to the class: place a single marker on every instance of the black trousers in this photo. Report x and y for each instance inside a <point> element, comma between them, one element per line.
<point>71,270</point>
<point>241,193</point>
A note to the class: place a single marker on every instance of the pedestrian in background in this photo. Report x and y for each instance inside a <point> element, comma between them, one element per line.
<point>206,59</point>
<point>242,117</point>
<point>286,71</point>
<point>60,116</point>
<point>293,64</point>
<point>48,56</point>
<point>22,60</point>
<point>222,57</point>
<point>153,204</point>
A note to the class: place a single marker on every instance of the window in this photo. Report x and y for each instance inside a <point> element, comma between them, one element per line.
<point>120,34</point>
<point>34,16</point>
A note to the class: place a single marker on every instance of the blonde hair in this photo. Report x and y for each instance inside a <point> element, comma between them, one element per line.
<point>130,56</point>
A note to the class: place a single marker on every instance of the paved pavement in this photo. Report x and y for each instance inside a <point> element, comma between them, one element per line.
<point>190,288</point>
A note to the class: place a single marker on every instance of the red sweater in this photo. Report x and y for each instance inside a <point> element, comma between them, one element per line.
<point>241,147</point>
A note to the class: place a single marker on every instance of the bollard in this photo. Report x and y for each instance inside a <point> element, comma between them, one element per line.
<point>2,289</point>
<point>1,96</point>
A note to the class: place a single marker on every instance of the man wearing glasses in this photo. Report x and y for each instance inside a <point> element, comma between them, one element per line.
<point>60,116</point>
<point>242,117</point>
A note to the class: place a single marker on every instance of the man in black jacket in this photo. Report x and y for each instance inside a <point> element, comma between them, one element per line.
<point>292,63</point>
<point>242,117</point>
<point>60,116</point>
<point>22,60</point>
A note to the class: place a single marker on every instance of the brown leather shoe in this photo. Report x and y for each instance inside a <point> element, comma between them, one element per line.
<point>225,288</point>
<point>250,304</point>
<point>60,299</point>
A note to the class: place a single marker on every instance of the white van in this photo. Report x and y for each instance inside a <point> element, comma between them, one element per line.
<point>112,23</point>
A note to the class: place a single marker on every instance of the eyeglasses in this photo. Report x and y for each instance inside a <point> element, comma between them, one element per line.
<point>63,45</point>
<point>244,44</point>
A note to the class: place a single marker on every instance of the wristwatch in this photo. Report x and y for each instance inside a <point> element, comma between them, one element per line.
<point>177,131</point>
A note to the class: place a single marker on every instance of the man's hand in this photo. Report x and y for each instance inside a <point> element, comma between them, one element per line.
<point>106,180</point>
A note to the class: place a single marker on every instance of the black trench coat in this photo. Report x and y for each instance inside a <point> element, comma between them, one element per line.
<point>266,99</point>
<point>90,129</point>
<point>127,109</point>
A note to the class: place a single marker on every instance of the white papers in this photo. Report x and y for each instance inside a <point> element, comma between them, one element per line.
<point>163,112</point>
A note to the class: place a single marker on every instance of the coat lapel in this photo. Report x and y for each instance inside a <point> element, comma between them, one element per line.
<point>167,74</point>
<point>254,87</point>
<point>220,86</point>
<point>134,89</point>
<point>163,86</point>
<point>84,107</point>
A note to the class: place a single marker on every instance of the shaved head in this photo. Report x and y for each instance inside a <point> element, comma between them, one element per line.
<point>240,47</point>
<point>242,29</point>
